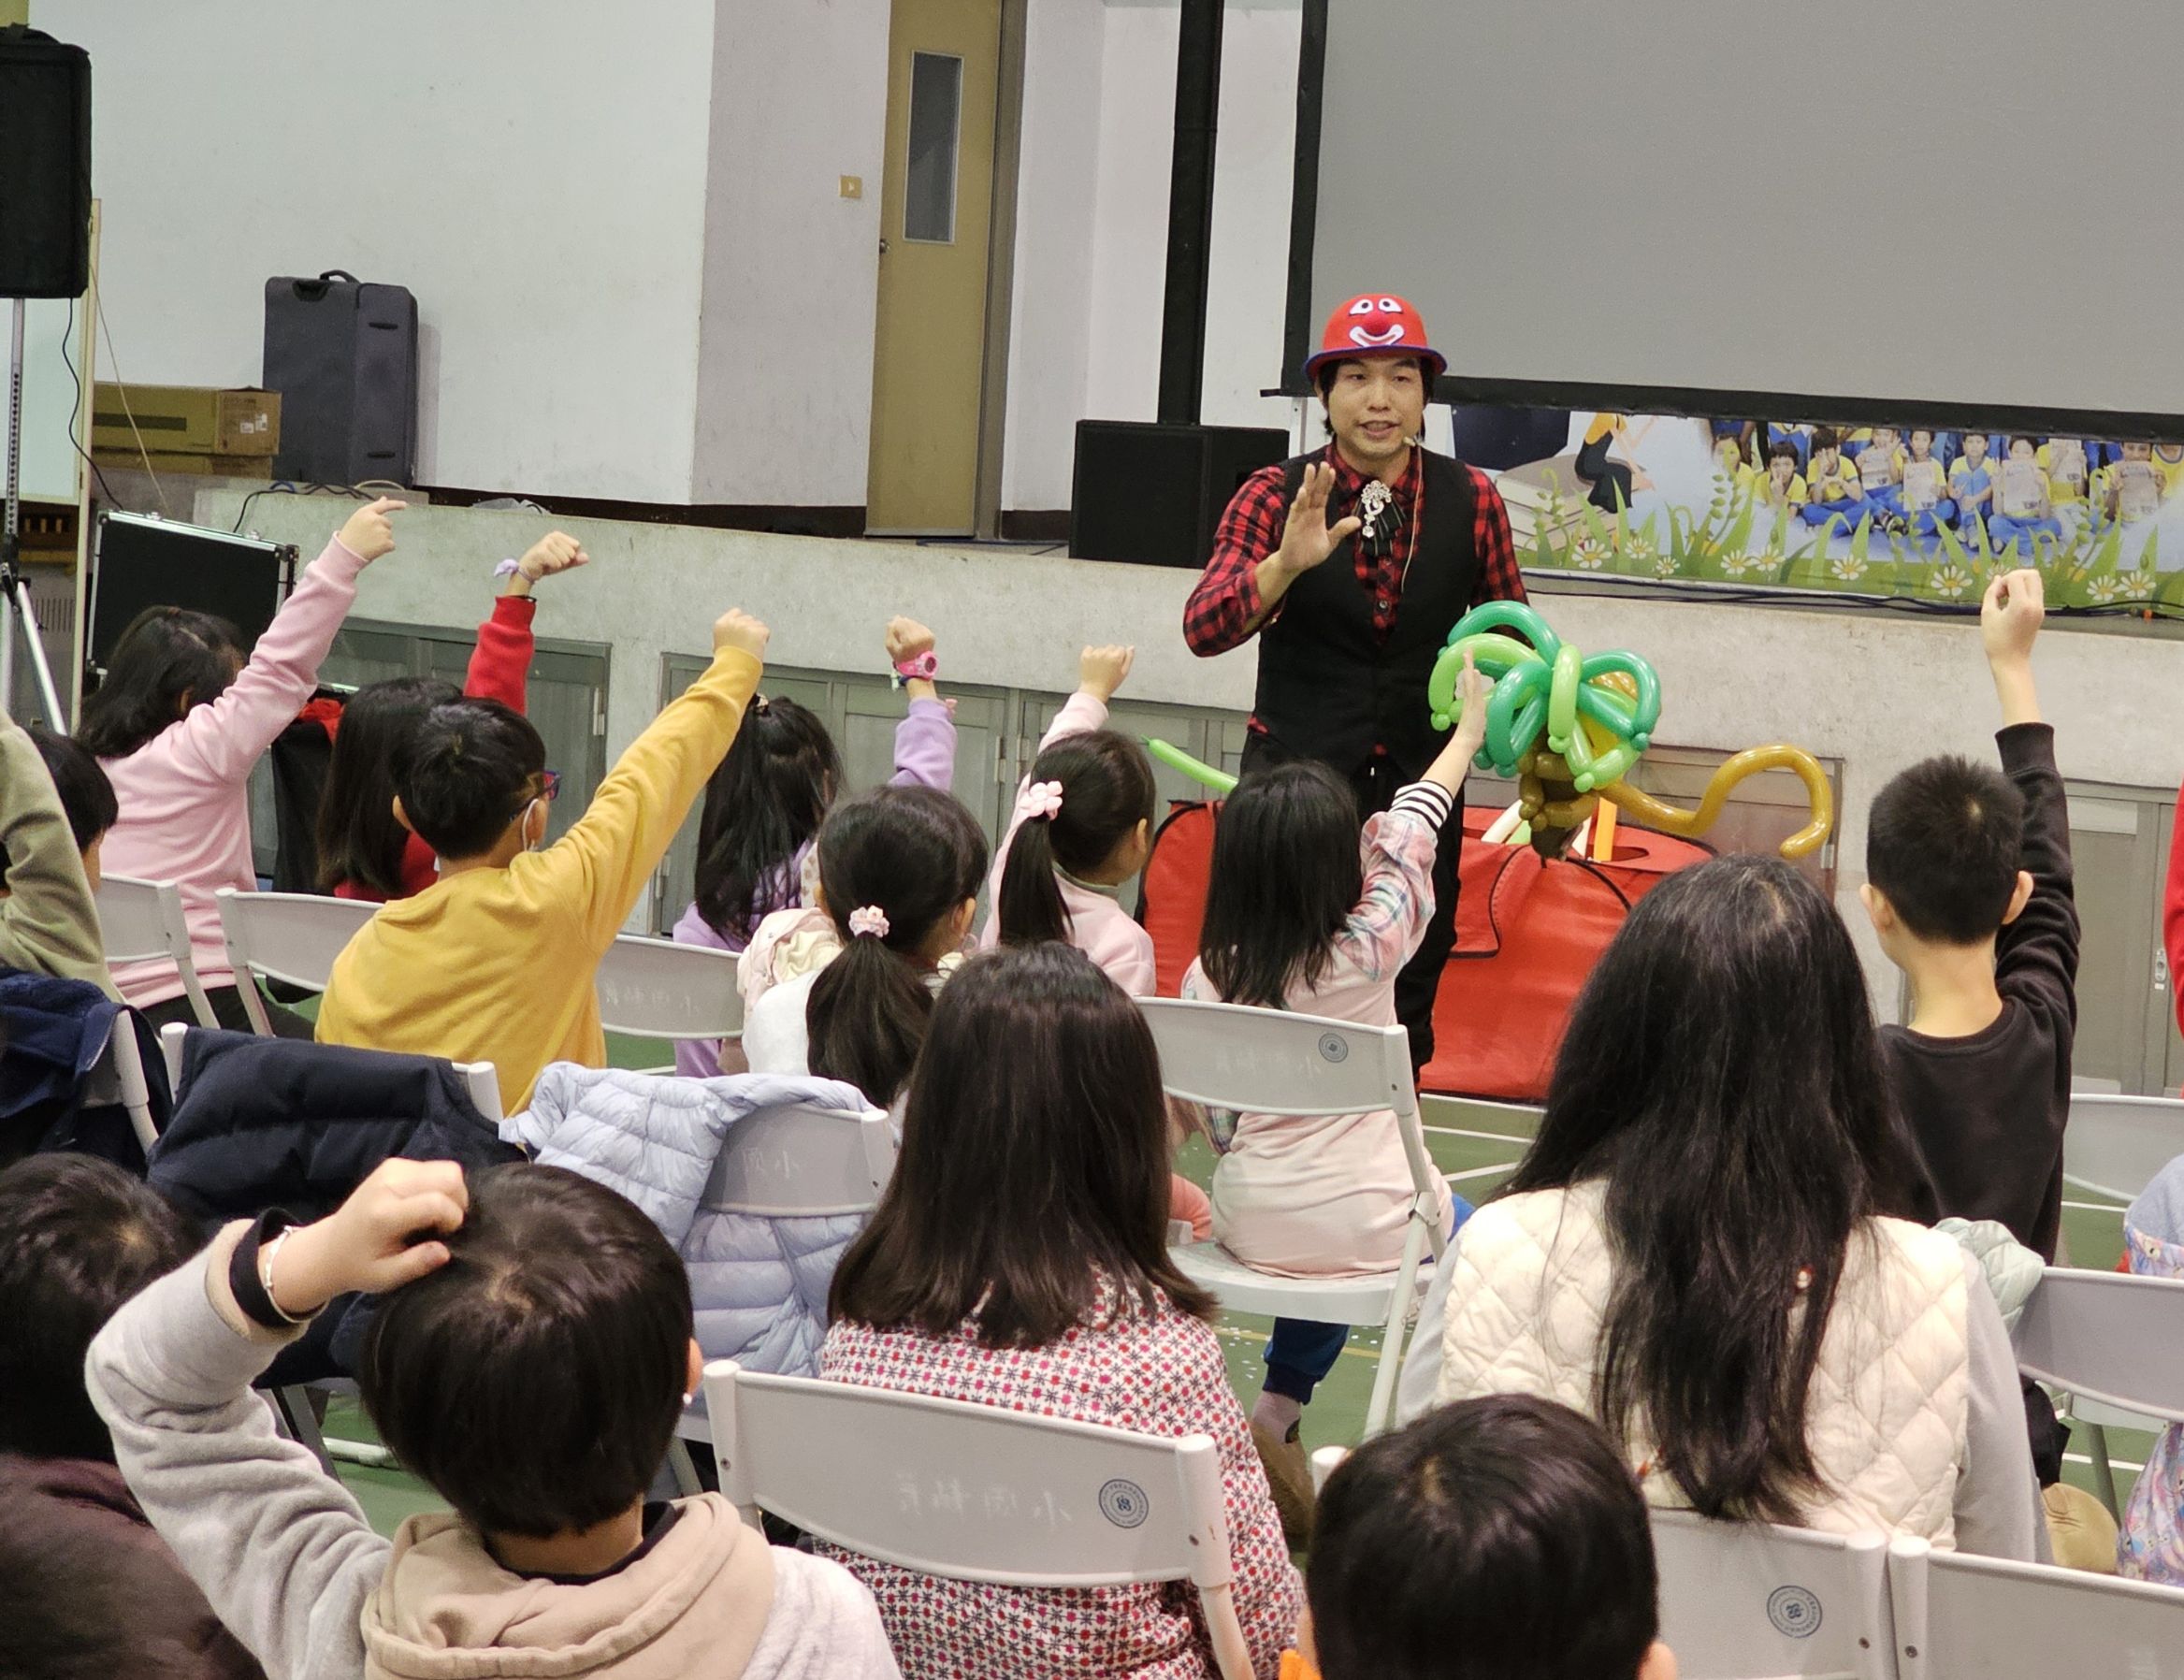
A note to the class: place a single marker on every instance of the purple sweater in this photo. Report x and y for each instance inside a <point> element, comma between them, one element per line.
<point>925,756</point>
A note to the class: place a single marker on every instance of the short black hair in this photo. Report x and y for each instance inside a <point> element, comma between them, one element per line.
<point>1782,449</point>
<point>557,1289</point>
<point>87,797</point>
<point>1943,843</point>
<point>164,655</point>
<point>78,1237</point>
<point>1494,1537</point>
<point>1323,376</point>
<point>1826,437</point>
<point>466,772</point>
<point>360,842</point>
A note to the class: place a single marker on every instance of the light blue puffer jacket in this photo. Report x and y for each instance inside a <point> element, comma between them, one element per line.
<point>760,1284</point>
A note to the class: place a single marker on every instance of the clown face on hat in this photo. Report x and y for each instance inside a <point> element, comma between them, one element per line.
<point>1374,371</point>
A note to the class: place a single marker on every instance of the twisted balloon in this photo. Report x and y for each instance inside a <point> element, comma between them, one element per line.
<point>1598,714</point>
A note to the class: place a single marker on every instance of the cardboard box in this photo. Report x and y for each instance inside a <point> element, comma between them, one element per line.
<point>185,420</point>
<point>218,465</point>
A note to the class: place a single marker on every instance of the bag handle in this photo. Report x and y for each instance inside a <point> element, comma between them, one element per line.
<point>311,291</point>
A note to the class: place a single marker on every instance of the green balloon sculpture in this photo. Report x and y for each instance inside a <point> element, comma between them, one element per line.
<point>1598,714</point>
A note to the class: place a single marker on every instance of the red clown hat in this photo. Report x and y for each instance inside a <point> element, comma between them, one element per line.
<point>1374,324</point>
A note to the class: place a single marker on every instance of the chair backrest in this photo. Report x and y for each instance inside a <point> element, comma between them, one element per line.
<point>2107,1337</point>
<point>142,922</point>
<point>118,1076</point>
<point>1273,1061</point>
<point>2115,1144</point>
<point>978,1493</point>
<point>802,1161</point>
<point>1744,1599</point>
<point>1957,1615</point>
<point>480,1079</point>
<point>290,936</point>
<point>657,988</point>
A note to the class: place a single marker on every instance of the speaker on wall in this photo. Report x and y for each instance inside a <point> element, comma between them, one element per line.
<point>1154,494</point>
<point>342,352</point>
<point>45,166</point>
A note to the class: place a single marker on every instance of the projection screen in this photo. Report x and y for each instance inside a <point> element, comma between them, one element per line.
<point>1969,215</point>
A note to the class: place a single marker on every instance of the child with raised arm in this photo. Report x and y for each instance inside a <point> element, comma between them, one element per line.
<point>494,961</point>
<point>1969,886</point>
<point>1081,830</point>
<point>179,724</point>
<point>1305,913</point>
<point>532,1352</point>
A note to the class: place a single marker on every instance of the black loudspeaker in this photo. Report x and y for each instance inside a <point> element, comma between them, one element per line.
<point>343,356</point>
<point>45,166</point>
<point>1153,494</point>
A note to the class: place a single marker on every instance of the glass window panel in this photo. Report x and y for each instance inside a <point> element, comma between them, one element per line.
<point>936,98</point>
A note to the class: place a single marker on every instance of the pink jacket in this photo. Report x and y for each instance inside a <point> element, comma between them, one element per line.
<point>1098,925</point>
<point>1306,1196</point>
<point>184,794</point>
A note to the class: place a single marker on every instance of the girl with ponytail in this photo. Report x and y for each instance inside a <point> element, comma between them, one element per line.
<point>899,872</point>
<point>765,805</point>
<point>1082,828</point>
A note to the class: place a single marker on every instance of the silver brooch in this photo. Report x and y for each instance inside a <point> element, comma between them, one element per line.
<point>1372,502</point>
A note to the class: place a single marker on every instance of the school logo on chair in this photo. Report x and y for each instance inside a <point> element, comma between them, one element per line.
<point>1794,1610</point>
<point>1125,1503</point>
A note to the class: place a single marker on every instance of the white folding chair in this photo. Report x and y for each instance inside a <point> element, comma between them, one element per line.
<point>792,1162</point>
<point>976,1493</point>
<point>2115,1344</point>
<point>2115,1144</point>
<point>142,922</point>
<point>288,936</point>
<point>480,1079</point>
<point>1271,1062</point>
<point>118,1076</point>
<point>1742,1600</point>
<point>657,988</point>
<point>1961,1615</point>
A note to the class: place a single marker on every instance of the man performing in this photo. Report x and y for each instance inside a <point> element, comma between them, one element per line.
<point>1345,649</point>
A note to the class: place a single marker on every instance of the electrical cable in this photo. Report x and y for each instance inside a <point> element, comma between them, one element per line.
<point>67,332</point>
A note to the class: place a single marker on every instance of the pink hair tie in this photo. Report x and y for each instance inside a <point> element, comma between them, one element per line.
<point>1041,799</point>
<point>870,919</point>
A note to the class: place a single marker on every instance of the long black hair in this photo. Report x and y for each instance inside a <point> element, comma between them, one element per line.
<point>915,855</point>
<point>359,840</point>
<point>1721,1073</point>
<point>1286,874</point>
<point>1106,790</point>
<point>166,654</point>
<point>1033,1174</point>
<point>767,798</point>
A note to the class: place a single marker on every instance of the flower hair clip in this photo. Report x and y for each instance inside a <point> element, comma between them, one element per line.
<point>1041,799</point>
<point>868,919</point>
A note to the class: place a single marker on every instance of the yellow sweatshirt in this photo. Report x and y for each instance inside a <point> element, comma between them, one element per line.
<point>495,964</point>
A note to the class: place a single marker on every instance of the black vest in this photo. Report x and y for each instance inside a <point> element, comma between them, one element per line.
<point>1327,688</point>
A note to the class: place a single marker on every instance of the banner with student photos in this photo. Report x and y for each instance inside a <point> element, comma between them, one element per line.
<point>1870,510</point>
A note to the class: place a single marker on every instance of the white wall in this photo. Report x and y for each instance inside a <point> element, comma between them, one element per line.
<point>534,170</point>
<point>783,401</point>
<point>1092,204</point>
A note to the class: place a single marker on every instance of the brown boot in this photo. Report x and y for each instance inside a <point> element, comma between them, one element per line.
<point>1289,1477</point>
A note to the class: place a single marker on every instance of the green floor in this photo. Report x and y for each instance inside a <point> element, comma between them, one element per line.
<point>1476,1145</point>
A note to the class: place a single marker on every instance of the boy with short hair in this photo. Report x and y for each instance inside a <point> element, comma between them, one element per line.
<point>1836,492</point>
<point>78,1559</point>
<point>2024,506</point>
<point>495,960</point>
<point>1969,886</point>
<point>1972,485</point>
<point>1784,487</point>
<point>530,1358</point>
<point>51,792</point>
<point>1494,1537</point>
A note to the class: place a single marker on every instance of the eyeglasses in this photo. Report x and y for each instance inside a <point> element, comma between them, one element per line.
<point>550,786</point>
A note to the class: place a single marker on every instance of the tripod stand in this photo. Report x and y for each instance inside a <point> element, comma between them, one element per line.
<point>16,617</point>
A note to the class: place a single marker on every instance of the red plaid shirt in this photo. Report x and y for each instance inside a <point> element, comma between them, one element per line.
<point>1221,609</point>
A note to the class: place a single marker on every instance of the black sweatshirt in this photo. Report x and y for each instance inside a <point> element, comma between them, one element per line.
<point>1986,1112</point>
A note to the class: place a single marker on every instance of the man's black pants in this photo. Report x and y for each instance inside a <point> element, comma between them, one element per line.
<point>1375,783</point>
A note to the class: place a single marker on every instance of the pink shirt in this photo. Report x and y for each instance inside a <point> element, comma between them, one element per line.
<point>184,794</point>
<point>1098,925</point>
<point>1329,1195</point>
